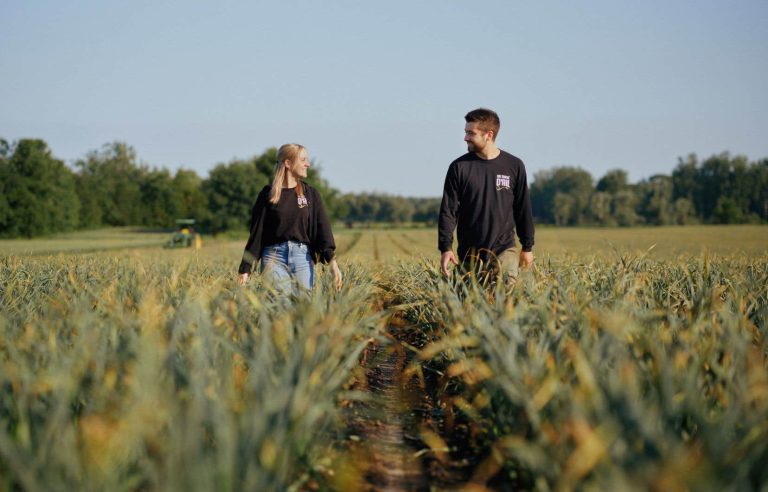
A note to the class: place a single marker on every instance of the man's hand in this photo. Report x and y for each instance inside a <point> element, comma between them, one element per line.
<point>242,278</point>
<point>526,259</point>
<point>445,259</point>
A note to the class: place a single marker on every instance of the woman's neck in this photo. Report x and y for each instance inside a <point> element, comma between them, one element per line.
<point>290,181</point>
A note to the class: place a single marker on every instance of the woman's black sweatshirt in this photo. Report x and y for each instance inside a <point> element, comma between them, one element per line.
<point>292,218</point>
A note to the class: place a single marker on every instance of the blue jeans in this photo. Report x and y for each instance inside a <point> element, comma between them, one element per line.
<point>287,266</point>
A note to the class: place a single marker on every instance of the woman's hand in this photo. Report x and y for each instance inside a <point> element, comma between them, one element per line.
<point>242,278</point>
<point>337,277</point>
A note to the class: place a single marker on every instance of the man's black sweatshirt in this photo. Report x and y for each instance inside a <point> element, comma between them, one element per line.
<point>485,200</point>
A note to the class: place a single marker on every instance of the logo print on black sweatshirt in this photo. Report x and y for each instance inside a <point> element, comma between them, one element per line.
<point>502,182</point>
<point>302,201</point>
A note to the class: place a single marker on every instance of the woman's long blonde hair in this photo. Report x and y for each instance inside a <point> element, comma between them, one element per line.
<point>290,152</point>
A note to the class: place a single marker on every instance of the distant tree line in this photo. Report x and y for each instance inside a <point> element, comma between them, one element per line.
<point>40,194</point>
<point>366,208</point>
<point>720,190</point>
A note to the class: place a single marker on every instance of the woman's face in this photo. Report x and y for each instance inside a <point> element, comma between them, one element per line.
<point>298,166</point>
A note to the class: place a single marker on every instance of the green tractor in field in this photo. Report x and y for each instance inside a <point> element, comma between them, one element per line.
<point>185,235</point>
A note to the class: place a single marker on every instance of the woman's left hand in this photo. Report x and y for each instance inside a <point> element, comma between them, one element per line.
<point>242,279</point>
<point>337,277</point>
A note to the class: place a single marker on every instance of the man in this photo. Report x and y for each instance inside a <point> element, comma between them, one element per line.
<point>485,198</point>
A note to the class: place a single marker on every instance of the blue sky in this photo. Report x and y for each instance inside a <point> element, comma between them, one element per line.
<point>377,90</point>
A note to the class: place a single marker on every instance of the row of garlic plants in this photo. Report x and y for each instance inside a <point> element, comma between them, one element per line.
<point>588,373</point>
<point>154,373</point>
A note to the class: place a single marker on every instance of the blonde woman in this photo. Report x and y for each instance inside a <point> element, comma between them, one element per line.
<point>290,230</point>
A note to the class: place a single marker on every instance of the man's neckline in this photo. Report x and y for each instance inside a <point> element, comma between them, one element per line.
<point>490,158</point>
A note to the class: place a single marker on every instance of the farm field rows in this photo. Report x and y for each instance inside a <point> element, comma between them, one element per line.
<point>667,242</point>
<point>606,367</point>
<point>368,244</point>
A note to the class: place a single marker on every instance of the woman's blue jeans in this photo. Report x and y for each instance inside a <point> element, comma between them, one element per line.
<point>288,267</point>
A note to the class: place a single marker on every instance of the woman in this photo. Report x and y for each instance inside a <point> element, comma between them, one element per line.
<point>290,230</point>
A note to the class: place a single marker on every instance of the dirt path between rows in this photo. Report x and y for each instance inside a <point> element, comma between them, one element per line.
<point>388,429</point>
<point>387,447</point>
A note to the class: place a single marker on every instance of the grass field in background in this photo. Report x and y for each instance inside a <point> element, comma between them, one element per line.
<point>383,244</point>
<point>83,241</point>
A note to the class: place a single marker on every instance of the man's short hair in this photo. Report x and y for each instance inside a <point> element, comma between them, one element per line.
<point>487,120</point>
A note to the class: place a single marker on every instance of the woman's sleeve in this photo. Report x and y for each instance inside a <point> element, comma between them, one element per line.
<point>323,245</point>
<point>253,247</point>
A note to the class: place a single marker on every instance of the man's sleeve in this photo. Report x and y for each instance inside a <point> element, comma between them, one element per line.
<point>253,247</point>
<point>523,210</point>
<point>449,206</point>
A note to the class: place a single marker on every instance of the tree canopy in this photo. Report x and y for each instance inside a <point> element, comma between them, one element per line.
<point>41,195</point>
<point>38,191</point>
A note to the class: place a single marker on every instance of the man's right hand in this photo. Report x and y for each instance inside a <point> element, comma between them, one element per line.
<point>447,258</point>
<point>242,278</point>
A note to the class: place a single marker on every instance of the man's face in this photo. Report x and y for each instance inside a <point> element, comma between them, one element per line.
<point>475,137</point>
<point>299,165</point>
